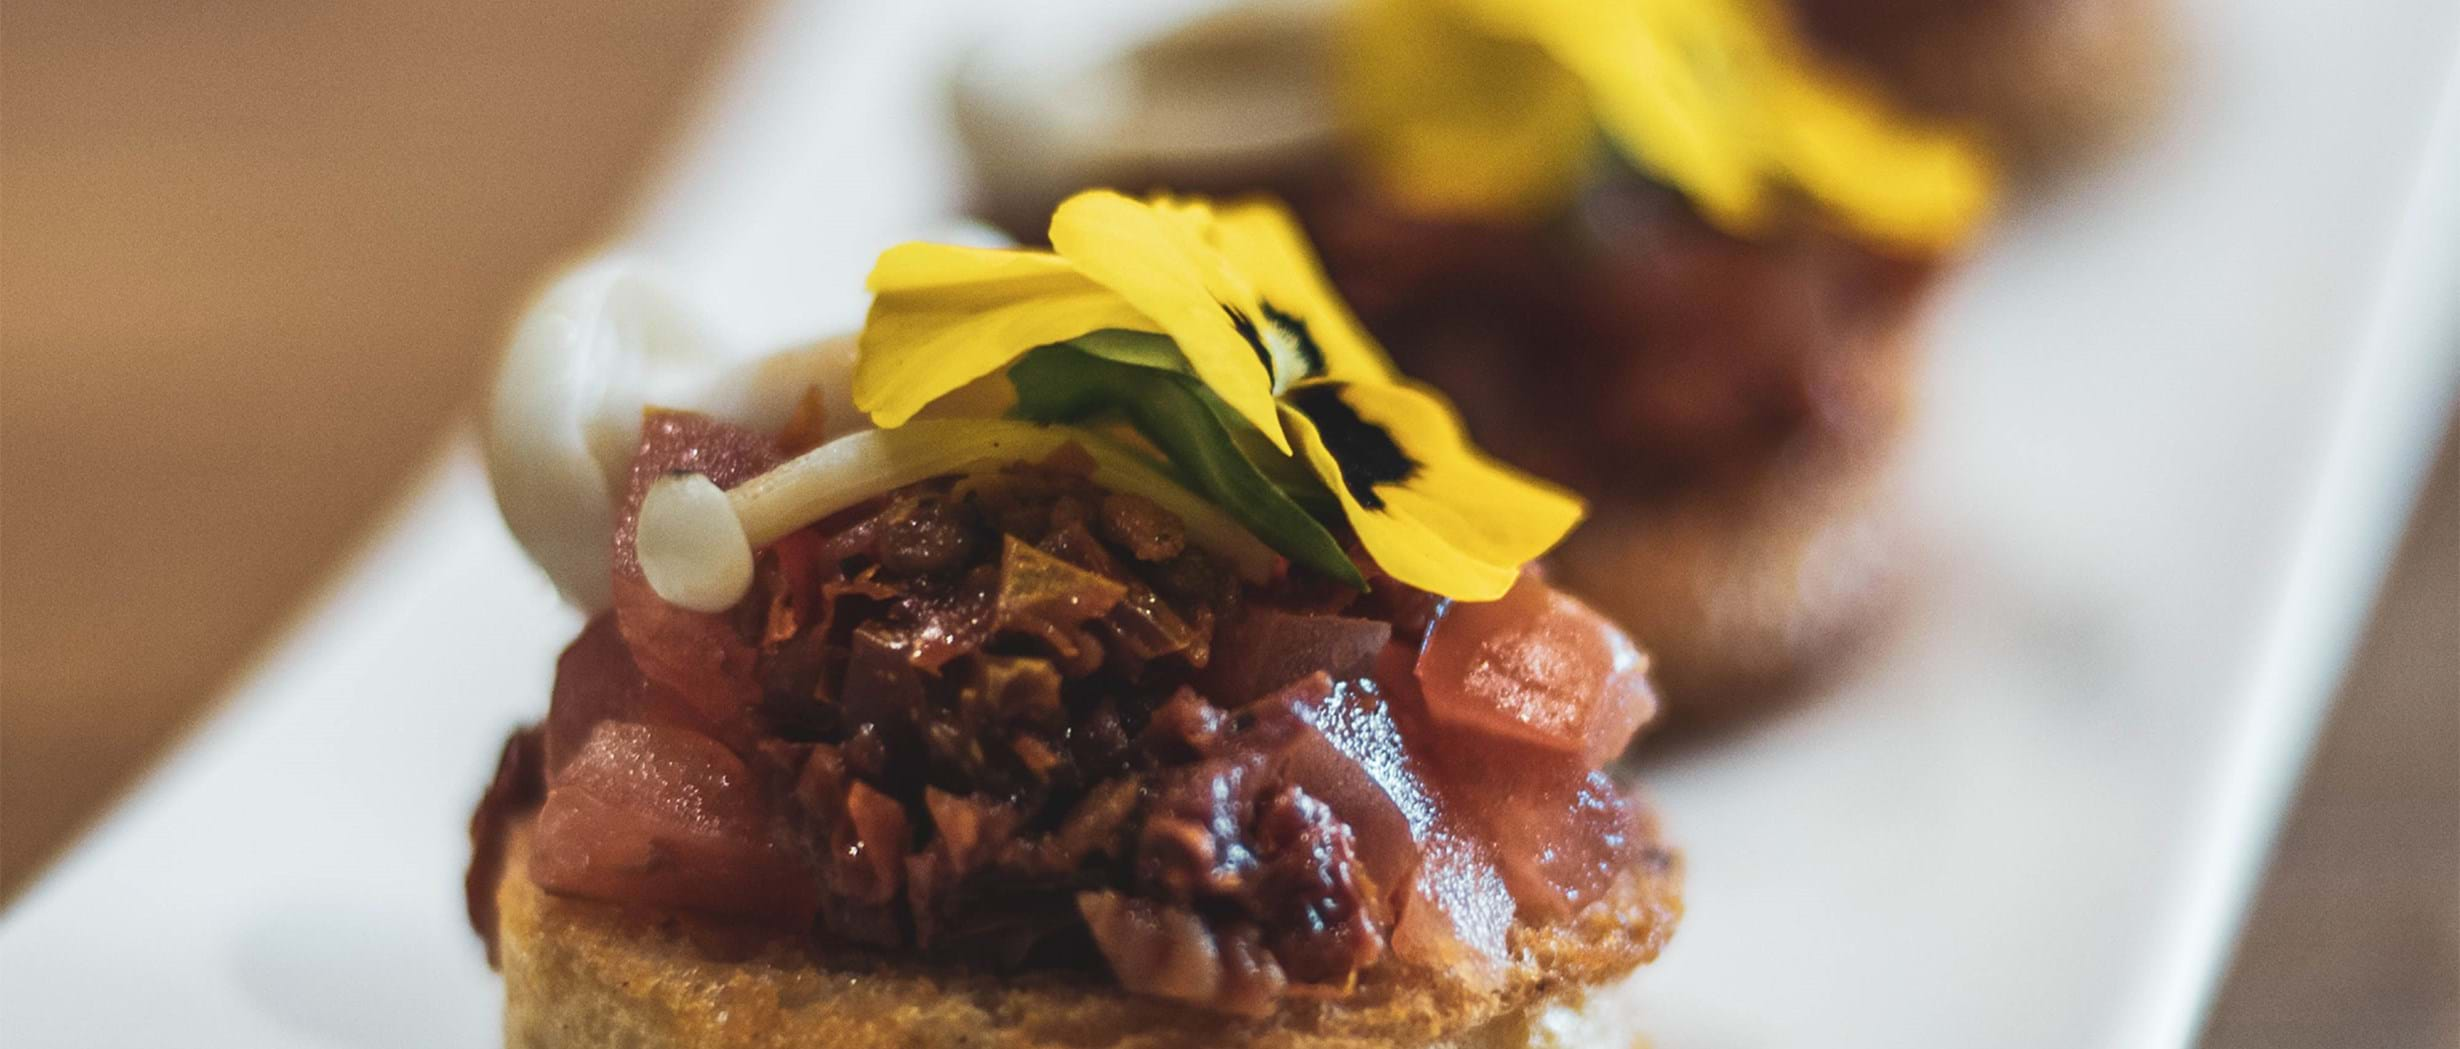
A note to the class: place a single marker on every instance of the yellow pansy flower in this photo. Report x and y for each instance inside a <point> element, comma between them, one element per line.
<point>1248,311</point>
<point>1719,98</point>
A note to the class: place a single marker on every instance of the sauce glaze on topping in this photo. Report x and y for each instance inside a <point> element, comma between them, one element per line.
<point>1016,720</point>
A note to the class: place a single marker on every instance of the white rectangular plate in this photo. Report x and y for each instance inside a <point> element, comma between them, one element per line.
<point>2176,416</point>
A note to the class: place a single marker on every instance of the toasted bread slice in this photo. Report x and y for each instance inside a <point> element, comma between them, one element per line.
<point>1744,591</point>
<point>585,975</point>
<point>1744,597</point>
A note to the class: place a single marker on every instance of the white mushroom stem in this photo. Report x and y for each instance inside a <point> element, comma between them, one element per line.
<point>695,542</point>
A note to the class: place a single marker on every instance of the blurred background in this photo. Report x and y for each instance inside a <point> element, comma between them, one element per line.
<point>255,259</point>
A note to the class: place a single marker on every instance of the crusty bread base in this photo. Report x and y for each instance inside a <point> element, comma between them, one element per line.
<point>1740,591</point>
<point>583,975</point>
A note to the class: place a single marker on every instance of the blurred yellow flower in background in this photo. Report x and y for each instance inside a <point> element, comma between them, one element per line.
<point>1497,106</point>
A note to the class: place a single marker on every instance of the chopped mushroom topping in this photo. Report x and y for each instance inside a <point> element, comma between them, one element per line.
<point>981,720</point>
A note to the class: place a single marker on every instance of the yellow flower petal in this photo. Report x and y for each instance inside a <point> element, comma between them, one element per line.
<point>1724,100</point>
<point>1156,256</point>
<point>1455,119</point>
<point>1312,334</point>
<point>943,316</point>
<point>1910,185</point>
<point>1674,83</point>
<point>1431,509</point>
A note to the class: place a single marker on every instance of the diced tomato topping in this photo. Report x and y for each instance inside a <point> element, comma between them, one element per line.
<point>665,817</point>
<point>597,681</point>
<point>704,658</point>
<point>1537,668</point>
<point>1558,830</point>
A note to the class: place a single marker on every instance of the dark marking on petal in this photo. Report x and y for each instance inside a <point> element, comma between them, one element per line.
<point>1288,331</point>
<point>1295,329</point>
<point>1368,455</point>
<point>1246,327</point>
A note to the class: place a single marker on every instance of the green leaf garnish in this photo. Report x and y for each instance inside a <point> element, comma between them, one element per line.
<point>1143,379</point>
<point>1148,350</point>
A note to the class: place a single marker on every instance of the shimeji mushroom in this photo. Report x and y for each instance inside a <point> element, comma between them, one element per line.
<point>601,345</point>
<point>696,542</point>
